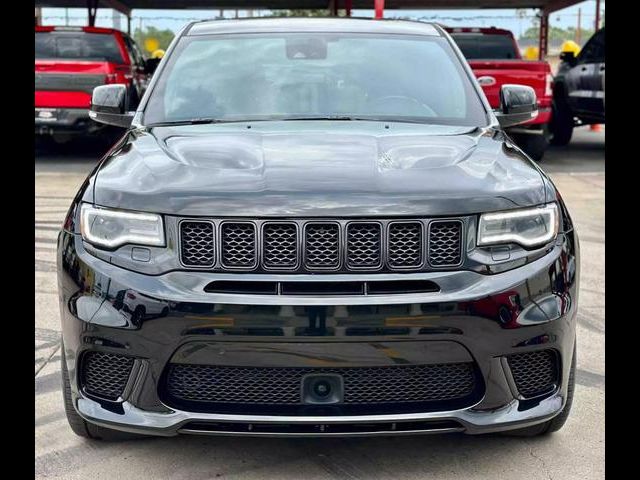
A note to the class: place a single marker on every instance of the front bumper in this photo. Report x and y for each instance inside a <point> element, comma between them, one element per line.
<point>473,316</point>
<point>49,121</point>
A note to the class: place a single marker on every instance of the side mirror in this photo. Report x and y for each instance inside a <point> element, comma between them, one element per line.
<point>569,57</point>
<point>518,104</point>
<point>109,105</point>
<point>150,65</point>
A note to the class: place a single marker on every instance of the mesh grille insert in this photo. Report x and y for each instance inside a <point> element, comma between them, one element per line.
<point>405,245</point>
<point>322,245</point>
<point>364,245</point>
<point>445,243</point>
<point>105,374</point>
<point>535,373</point>
<point>282,386</point>
<point>196,241</point>
<point>280,245</point>
<point>238,245</point>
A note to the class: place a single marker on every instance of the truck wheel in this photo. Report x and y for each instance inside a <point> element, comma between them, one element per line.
<point>533,145</point>
<point>557,422</point>
<point>561,124</point>
<point>78,424</point>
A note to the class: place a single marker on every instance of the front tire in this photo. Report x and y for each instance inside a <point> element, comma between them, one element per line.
<point>561,124</point>
<point>78,424</point>
<point>557,422</point>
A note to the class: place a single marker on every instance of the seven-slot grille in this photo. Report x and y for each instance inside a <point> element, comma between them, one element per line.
<point>298,245</point>
<point>282,385</point>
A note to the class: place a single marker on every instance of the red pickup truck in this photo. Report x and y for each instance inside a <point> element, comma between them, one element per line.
<point>495,59</point>
<point>69,63</point>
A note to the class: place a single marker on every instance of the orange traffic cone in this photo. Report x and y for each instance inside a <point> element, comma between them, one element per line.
<point>596,127</point>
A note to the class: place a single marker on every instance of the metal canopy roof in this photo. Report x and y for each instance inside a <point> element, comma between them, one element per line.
<point>125,6</point>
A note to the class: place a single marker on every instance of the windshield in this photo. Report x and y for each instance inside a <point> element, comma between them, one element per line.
<point>77,45</point>
<point>477,46</point>
<point>315,75</point>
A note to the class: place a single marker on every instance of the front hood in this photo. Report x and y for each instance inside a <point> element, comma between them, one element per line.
<point>311,169</point>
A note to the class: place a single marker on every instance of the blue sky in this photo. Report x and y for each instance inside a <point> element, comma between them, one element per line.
<point>174,19</point>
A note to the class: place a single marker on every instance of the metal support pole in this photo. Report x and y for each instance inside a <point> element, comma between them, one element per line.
<point>347,7</point>
<point>92,10</point>
<point>333,8</point>
<point>129,24</point>
<point>379,8</point>
<point>543,39</point>
<point>597,15</point>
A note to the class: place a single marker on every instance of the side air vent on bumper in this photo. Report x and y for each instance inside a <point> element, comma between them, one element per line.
<point>535,373</point>
<point>105,375</point>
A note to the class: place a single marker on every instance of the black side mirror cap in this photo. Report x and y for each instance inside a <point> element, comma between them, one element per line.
<point>518,104</point>
<point>109,105</point>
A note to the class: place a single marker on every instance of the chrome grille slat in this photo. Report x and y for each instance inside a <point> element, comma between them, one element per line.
<point>280,245</point>
<point>322,245</point>
<point>405,245</point>
<point>331,245</point>
<point>364,245</point>
<point>445,239</point>
<point>238,245</point>
<point>197,243</point>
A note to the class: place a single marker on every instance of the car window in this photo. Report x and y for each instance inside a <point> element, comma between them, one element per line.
<point>77,45</point>
<point>271,76</point>
<point>593,51</point>
<point>134,51</point>
<point>478,46</point>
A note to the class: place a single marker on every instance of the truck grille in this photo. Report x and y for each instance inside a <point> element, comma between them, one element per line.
<point>535,373</point>
<point>70,82</point>
<point>282,385</point>
<point>317,246</point>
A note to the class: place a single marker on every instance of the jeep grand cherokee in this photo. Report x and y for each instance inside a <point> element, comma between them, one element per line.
<point>316,227</point>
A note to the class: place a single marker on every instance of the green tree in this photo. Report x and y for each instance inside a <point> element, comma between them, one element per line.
<point>557,33</point>
<point>163,37</point>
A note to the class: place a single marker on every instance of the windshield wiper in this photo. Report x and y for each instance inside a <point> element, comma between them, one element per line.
<point>192,121</point>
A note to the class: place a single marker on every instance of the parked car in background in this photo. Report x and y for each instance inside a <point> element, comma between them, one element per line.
<point>578,92</point>
<point>69,63</point>
<point>495,58</point>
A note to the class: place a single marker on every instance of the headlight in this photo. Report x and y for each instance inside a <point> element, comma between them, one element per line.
<point>112,228</point>
<point>528,227</point>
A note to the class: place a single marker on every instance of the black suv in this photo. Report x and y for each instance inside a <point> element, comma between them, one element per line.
<point>316,227</point>
<point>578,92</point>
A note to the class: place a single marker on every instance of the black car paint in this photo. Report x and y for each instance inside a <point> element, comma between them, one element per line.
<point>252,170</point>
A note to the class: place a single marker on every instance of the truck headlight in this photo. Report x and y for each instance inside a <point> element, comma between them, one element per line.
<point>528,227</point>
<point>112,228</point>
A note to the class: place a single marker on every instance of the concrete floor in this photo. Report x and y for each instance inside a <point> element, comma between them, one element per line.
<point>576,452</point>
